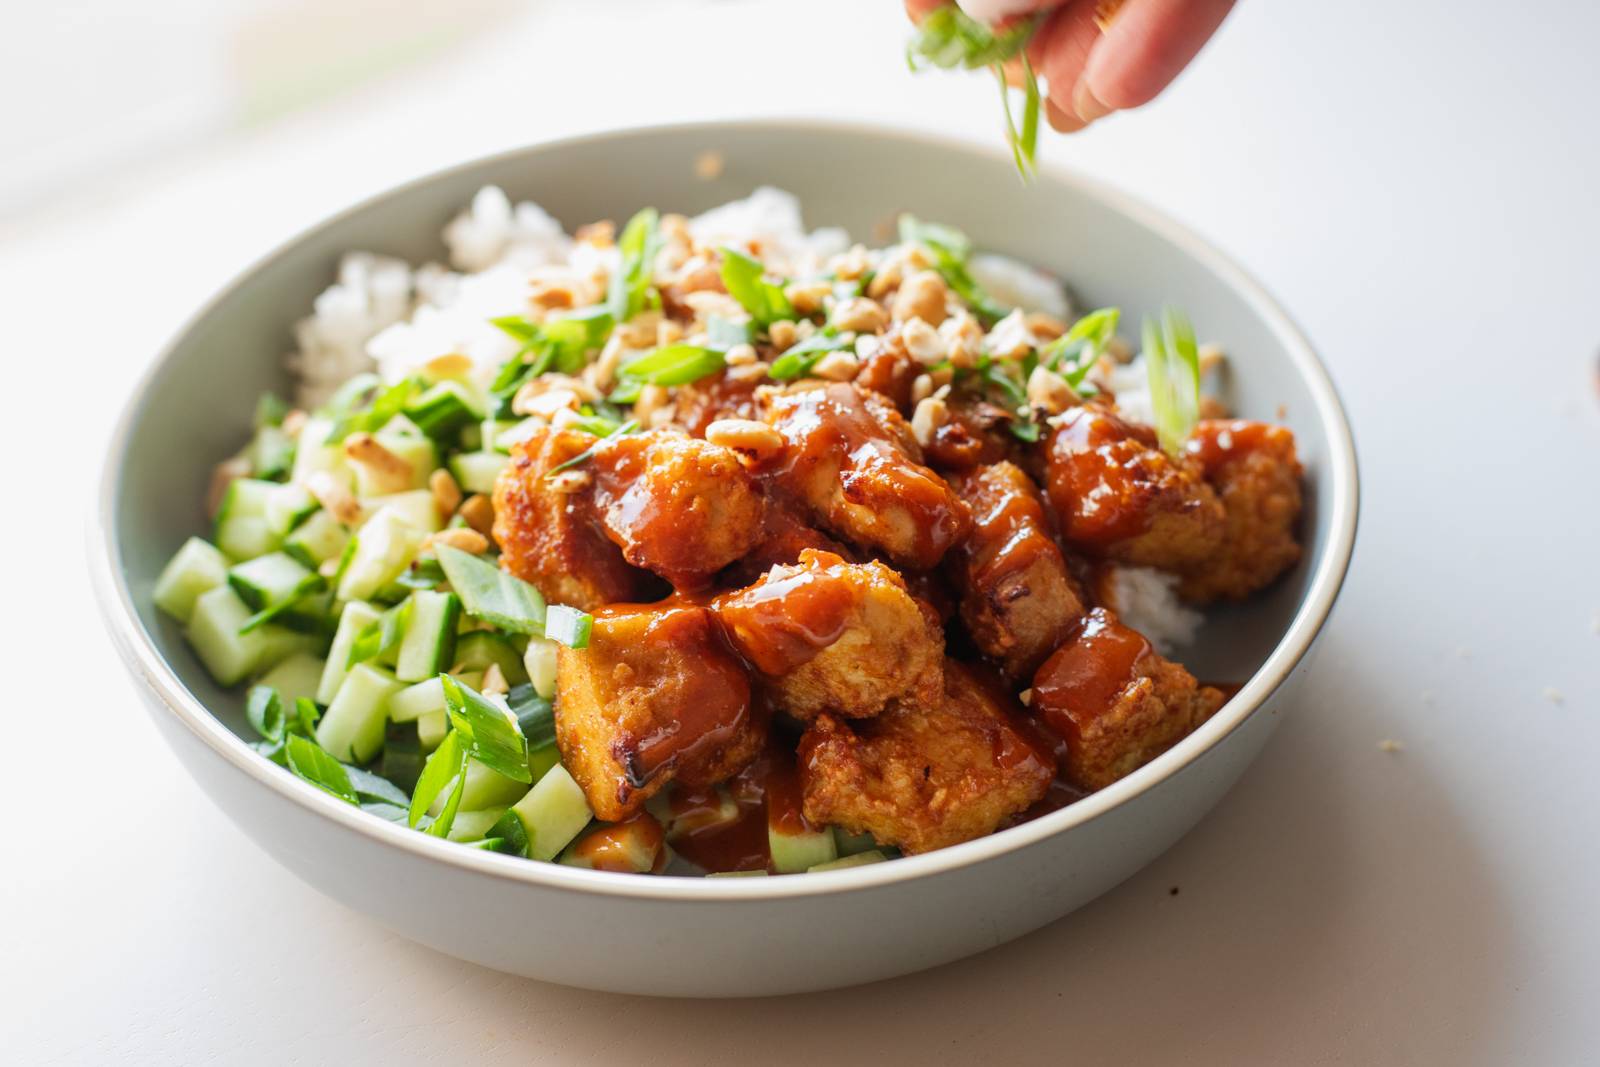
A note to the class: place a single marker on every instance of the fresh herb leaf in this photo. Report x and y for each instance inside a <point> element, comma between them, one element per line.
<point>799,359</point>
<point>307,759</point>
<point>381,634</point>
<point>440,826</point>
<point>487,732</point>
<point>948,38</point>
<point>370,788</point>
<point>511,833</point>
<point>587,454</point>
<point>306,714</point>
<point>263,708</point>
<point>422,574</point>
<point>535,715</point>
<point>445,769</point>
<point>371,409</point>
<point>747,283</point>
<point>390,812</point>
<point>491,594</point>
<point>630,285</point>
<point>569,626</point>
<point>1172,360</point>
<point>950,250</point>
<point>677,364</point>
<point>599,425</point>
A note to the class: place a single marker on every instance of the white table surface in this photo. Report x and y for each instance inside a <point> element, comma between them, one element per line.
<point>1415,181</point>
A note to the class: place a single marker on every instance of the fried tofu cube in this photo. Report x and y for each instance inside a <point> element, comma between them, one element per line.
<point>926,773</point>
<point>1254,469</point>
<point>1115,702</point>
<point>783,537</point>
<point>549,538</point>
<point>676,505</point>
<point>656,696</point>
<point>1018,599</point>
<point>1118,496</point>
<point>831,636</point>
<point>851,460</point>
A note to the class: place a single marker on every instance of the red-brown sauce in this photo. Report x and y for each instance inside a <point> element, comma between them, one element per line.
<point>1084,677</point>
<point>1009,528</point>
<point>634,843</point>
<point>1101,472</point>
<point>1217,441</point>
<point>782,623</point>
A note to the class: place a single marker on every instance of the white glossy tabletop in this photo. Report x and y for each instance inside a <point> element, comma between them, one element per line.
<point>1417,182</point>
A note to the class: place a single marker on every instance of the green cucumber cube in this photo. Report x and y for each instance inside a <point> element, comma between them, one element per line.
<point>197,567</point>
<point>352,727</point>
<point>553,813</point>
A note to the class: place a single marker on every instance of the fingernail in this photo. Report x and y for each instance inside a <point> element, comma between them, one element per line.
<point>1087,105</point>
<point>1061,120</point>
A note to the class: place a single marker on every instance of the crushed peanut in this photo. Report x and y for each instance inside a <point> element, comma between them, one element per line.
<point>552,296</point>
<point>783,334</point>
<point>861,314</point>
<point>921,296</point>
<point>388,471</point>
<point>494,681</point>
<point>752,439</point>
<point>923,342</point>
<point>462,537</point>
<point>929,415</point>
<point>651,399</point>
<point>868,345</point>
<point>662,416</point>
<point>668,333</point>
<point>837,367</point>
<point>446,493</point>
<point>1050,391</point>
<point>332,494</point>
<point>807,297</point>
<point>921,388</point>
<point>850,265</point>
<point>1044,327</point>
<point>740,355</point>
<point>963,337</point>
<point>563,390</point>
<point>478,511</point>
<point>1010,338</point>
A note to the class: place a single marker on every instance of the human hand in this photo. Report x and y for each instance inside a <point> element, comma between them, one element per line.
<point>1100,56</point>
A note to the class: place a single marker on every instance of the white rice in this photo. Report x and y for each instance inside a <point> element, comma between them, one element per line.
<point>1130,384</point>
<point>1011,281</point>
<point>1147,600</point>
<point>771,218</point>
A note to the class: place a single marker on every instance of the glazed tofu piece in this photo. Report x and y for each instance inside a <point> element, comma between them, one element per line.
<point>926,773</point>
<point>1118,496</point>
<point>1115,702</point>
<point>729,394</point>
<point>831,636</point>
<point>549,538</point>
<point>657,696</point>
<point>973,434</point>
<point>850,459</point>
<point>676,505</point>
<point>1018,600</point>
<point>783,537</point>
<point>1254,469</point>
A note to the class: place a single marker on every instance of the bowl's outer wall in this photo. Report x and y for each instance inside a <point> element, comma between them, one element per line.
<point>197,406</point>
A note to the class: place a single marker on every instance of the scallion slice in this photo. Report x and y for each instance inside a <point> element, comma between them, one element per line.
<point>569,626</point>
<point>307,759</point>
<point>747,283</point>
<point>491,594</point>
<point>1172,361</point>
<point>485,731</point>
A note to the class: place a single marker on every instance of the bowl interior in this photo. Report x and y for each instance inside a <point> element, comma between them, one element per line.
<point>197,405</point>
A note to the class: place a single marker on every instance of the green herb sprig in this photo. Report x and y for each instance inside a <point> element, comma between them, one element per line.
<point>1172,361</point>
<point>948,38</point>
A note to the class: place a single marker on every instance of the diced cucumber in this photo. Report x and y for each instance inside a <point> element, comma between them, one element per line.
<point>444,409</point>
<point>431,729</point>
<point>270,579</point>
<point>472,825</point>
<point>243,531</point>
<point>430,637</point>
<point>426,697</point>
<point>231,656</point>
<point>542,759</point>
<point>477,650</point>
<point>355,618</point>
<point>417,452</point>
<point>352,727</point>
<point>553,813</point>
<point>476,472</point>
<point>317,540</point>
<point>796,852</point>
<point>287,507</point>
<point>859,859</point>
<point>849,844</point>
<point>487,788</point>
<point>298,676</point>
<point>679,816</point>
<point>517,433</point>
<point>385,546</point>
<point>271,453</point>
<point>415,506</point>
<point>491,429</point>
<point>539,660</point>
<point>400,425</point>
<point>313,453</point>
<point>195,568</point>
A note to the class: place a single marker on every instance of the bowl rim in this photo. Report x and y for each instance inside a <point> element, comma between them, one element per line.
<point>1339,466</point>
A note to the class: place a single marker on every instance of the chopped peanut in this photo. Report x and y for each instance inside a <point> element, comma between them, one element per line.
<point>390,473</point>
<point>861,314</point>
<point>478,511</point>
<point>463,537</point>
<point>749,438</point>
<point>1050,391</point>
<point>921,296</point>
<point>332,494</point>
<point>923,342</point>
<point>494,681</point>
<point>446,493</point>
<point>930,414</point>
<point>837,367</point>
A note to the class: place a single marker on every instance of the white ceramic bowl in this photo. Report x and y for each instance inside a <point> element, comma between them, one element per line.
<point>723,937</point>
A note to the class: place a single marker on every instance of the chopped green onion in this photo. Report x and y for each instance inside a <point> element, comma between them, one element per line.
<point>535,715</point>
<point>511,833</point>
<point>307,759</point>
<point>263,708</point>
<point>381,635</point>
<point>485,731</point>
<point>371,788</point>
<point>445,769</point>
<point>491,594</point>
<point>630,285</point>
<point>950,249</point>
<point>305,718</point>
<point>746,281</point>
<point>949,38</point>
<point>1172,360</point>
<point>1083,345</point>
<point>587,454</point>
<point>369,410</point>
<point>567,625</point>
<point>270,410</point>
<point>799,359</point>
<point>677,364</point>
